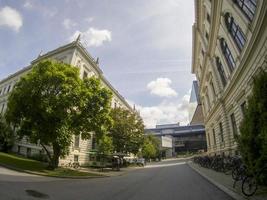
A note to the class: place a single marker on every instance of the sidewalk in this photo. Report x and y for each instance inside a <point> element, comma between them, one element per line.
<point>107,172</point>
<point>225,183</point>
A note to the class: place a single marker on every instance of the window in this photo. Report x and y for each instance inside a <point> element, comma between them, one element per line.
<point>227,54</point>
<point>85,74</point>
<point>235,31</point>
<point>76,141</point>
<point>208,17</point>
<point>29,151</point>
<point>248,7</point>
<point>213,89</point>
<point>93,142</point>
<point>19,149</point>
<point>221,131</point>
<point>214,137</point>
<point>208,138</point>
<point>233,123</point>
<point>243,108</point>
<point>8,89</point>
<point>202,52</point>
<point>207,36</point>
<point>221,71</point>
<point>76,158</point>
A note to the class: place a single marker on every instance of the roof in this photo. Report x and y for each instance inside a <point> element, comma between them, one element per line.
<point>82,49</point>
<point>178,131</point>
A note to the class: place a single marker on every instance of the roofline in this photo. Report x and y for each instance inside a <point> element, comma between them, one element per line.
<point>16,73</point>
<point>176,127</point>
<point>83,50</point>
<point>116,92</point>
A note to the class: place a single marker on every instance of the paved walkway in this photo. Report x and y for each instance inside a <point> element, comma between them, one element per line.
<point>6,171</point>
<point>225,183</point>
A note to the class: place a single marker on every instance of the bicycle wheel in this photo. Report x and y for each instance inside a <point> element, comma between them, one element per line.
<point>249,186</point>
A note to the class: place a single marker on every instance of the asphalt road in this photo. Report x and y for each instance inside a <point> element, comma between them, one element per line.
<point>159,181</point>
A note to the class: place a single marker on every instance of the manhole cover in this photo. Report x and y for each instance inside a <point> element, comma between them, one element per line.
<point>37,194</point>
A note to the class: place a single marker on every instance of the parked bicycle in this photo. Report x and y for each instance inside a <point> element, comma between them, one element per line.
<point>74,165</point>
<point>250,182</point>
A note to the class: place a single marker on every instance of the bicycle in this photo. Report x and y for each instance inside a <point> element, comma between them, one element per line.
<point>74,165</point>
<point>250,183</point>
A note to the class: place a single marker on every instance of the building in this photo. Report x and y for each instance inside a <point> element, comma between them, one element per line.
<point>195,106</point>
<point>229,49</point>
<point>74,54</point>
<point>189,138</point>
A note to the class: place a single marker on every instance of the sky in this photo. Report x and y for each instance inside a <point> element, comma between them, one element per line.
<point>144,46</point>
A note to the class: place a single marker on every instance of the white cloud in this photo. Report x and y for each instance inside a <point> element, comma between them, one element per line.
<point>28,5</point>
<point>89,19</point>
<point>93,37</point>
<point>161,87</point>
<point>166,112</point>
<point>11,18</point>
<point>68,23</point>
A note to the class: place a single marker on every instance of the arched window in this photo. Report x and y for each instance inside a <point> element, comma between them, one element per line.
<point>235,31</point>
<point>248,7</point>
<point>221,71</point>
<point>227,54</point>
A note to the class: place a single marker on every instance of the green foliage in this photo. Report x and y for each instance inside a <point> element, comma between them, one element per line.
<point>127,131</point>
<point>6,135</point>
<point>151,147</point>
<point>22,163</point>
<point>51,103</point>
<point>105,145</point>
<point>253,139</point>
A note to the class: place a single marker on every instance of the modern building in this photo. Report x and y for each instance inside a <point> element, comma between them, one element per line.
<point>229,49</point>
<point>189,138</point>
<point>195,106</point>
<point>74,54</point>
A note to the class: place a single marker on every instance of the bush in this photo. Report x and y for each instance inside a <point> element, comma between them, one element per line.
<point>253,138</point>
<point>39,157</point>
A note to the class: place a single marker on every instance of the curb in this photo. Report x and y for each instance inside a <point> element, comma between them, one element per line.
<point>218,185</point>
<point>46,175</point>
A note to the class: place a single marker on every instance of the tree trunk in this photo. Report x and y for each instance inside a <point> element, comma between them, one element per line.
<point>56,154</point>
<point>50,159</point>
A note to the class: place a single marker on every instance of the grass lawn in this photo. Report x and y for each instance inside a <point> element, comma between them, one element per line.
<point>22,163</point>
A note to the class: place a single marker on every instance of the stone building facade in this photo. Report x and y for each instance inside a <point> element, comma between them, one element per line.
<point>74,54</point>
<point>229,49</point>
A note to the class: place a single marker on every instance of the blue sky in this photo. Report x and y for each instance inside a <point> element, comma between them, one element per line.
<point>144,46</point>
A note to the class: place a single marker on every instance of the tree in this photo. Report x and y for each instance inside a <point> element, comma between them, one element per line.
<point>151,147</point>
<point>253,138</point>
<point>104,148</point>
<point>105,145</point>
<point>51,103</point>
<point>6,135</point>
<point>127,130</point>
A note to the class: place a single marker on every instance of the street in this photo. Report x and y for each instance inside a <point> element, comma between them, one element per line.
<point>165,180</point>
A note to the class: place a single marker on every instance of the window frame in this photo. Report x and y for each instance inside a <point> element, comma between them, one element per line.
<point>221,131</point>
<point>221,71</point>
<point>234,125</point>
<point>235,31</point>
<point>227,54</point>
<point>248,7</point>
<point>214,137</point>
<point>76,141</point>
